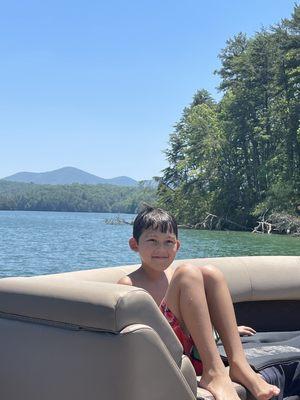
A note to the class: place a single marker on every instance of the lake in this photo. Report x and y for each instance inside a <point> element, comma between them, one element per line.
<point>34,243</point>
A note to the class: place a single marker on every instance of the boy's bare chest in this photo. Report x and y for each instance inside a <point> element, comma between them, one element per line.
<point>158,292</point>
<point>157,289</point>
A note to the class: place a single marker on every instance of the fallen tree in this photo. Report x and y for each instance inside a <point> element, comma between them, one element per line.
<point>285,223</point>
<point>278,222</point>
<point>214,222</point>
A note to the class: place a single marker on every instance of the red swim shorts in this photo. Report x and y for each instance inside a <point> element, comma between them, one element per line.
<point>186,340</point>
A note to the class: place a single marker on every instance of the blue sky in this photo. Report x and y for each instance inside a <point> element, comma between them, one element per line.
<point>99,85</point>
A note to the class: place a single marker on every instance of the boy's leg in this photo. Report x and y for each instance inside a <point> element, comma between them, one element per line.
<point>186,299</point>
<point>223,319</point>
<point>194,296</point>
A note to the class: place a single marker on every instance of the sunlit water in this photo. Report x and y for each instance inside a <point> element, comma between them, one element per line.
<point>34,243</point>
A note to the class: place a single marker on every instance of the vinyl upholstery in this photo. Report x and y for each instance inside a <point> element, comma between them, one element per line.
<point>80,335</point>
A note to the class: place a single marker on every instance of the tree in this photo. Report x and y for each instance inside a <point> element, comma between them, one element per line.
<point>232,158</point>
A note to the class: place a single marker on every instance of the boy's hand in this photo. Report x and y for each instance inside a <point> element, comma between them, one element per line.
<point>246,331</point>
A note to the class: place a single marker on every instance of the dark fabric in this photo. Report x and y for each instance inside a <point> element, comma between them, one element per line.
<point>271,315</point>
<point>275,376</point>
<point>285,376</point>
<point>269,348</point>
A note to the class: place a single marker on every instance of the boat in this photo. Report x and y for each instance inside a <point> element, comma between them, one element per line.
<point>79,335</point>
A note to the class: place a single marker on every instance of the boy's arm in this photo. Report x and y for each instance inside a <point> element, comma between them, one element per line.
<point>125,280</point>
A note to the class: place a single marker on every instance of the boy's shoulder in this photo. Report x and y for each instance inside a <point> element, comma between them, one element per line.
<point>125,280</point>
<point>135,278</point>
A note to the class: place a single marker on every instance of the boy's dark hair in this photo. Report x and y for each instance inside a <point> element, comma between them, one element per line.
<point>155,218</point>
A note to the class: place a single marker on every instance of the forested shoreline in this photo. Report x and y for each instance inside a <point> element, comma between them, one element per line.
<point>75,197</point>
<point>237,161</point>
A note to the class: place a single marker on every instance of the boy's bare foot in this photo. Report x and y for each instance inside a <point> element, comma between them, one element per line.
<point>259,388</point>
<point>219,385</point>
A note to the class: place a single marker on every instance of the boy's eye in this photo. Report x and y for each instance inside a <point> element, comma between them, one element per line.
<point>170,241</point>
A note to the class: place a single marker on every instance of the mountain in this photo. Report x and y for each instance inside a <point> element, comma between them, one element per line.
<point>68,175</point>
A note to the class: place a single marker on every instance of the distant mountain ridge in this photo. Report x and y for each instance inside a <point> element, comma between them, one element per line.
<point>67,176</point>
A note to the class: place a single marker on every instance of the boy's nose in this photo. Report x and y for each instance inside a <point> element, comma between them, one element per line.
<point>160,246</point>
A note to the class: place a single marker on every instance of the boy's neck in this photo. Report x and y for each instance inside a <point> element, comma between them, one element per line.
<point>153,275</point>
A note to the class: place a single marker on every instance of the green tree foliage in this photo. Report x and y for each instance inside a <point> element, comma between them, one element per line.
<point>75,197</point>
<point>237,158</point>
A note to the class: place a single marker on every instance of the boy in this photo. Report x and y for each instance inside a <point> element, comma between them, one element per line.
<point>193,299</point>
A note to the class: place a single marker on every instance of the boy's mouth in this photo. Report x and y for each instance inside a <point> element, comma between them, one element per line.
<point>160,257</point>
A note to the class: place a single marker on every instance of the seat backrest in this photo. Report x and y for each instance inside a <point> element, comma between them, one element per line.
<point>252,278</point>
<point>265,289</point>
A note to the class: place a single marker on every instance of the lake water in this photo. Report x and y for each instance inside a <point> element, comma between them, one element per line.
<point>33,243</point>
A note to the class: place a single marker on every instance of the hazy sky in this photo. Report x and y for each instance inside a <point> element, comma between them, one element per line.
<point>98,85</point>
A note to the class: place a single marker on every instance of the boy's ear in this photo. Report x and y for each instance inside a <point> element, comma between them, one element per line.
<point>178,245</point>
<point>133,244</point>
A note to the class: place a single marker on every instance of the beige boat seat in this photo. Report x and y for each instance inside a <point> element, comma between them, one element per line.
<point>79,335</point>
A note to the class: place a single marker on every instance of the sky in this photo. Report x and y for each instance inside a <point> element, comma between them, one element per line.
<point>98,85</point>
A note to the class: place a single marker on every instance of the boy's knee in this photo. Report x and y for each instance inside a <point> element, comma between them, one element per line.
<point>186,271</point>
<point>210,272</point>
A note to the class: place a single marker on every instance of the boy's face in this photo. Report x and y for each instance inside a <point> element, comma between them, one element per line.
<point>156,249</point>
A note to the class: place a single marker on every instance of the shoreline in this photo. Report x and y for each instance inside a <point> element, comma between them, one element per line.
<point>281,224</point>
